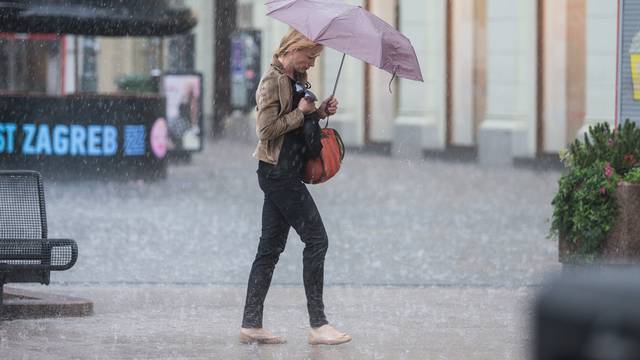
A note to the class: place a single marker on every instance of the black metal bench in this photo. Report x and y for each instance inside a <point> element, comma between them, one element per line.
<point>26,254</point>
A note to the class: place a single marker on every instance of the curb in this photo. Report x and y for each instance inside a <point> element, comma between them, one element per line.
<point>25,304</point>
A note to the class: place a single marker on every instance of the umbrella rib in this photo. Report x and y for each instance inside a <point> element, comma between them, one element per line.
<point>381,54</point>
<point>354,31</point>
<point>287,5</point>
<point>324,29</point>
<point>355,9</point>
<point>379,34</point>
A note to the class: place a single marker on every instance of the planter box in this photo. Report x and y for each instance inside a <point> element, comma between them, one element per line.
<point>622,245</point>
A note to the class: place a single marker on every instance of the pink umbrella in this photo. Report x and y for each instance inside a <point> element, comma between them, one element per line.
<point>351,30</point>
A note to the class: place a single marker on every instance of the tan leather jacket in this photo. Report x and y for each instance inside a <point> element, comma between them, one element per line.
<point>276,115</point>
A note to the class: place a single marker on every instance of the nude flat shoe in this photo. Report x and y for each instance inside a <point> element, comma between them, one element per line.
<point>328,340</point>
<point>323,341</point>
<point>247,338</point>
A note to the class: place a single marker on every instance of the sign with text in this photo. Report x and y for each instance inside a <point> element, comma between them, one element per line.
<point>108,135</point>
<point>628,91</point>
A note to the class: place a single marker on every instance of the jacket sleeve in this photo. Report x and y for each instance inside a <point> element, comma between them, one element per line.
<point>312,134</point>
<point>269,125</point>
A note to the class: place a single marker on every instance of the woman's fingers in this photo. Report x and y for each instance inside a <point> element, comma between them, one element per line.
<point>332,105</point>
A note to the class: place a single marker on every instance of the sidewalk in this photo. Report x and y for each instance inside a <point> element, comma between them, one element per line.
<point>390,221</point>
<point>173,322</point>
<point>427,259</point>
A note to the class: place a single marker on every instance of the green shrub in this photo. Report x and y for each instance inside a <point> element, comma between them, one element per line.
<point>633,176</point>
<point>584,208</point>
<point>137,84</point>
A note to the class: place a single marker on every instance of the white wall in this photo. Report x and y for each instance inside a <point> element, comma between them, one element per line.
<point>424,23</point>
<point>601,61</point>
<point>512,71</point>
<point>350,93</point>
<point>382,104</point>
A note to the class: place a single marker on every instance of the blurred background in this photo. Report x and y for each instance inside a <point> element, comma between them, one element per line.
<point>446,187</point>
<point>528,75</point>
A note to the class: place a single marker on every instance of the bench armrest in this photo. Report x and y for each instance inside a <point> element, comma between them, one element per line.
<point>38,254</point>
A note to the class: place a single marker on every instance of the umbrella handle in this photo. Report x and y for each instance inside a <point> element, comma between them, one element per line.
<point>395,69</point>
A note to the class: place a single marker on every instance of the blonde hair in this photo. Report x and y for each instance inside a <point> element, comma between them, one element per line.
<point>294,40</point>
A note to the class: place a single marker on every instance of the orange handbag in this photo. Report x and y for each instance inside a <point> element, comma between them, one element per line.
<point>325,166</point>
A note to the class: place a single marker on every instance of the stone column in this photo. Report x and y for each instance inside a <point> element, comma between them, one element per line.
<point>555,75</point>
<point>349,121</point>
<point>601,63</point>
<point>576,67</point>
<point>382,109</point>
<point>463,44</point>
<point>421,119</point>
<point>205,52</point>
<point>509,126</point>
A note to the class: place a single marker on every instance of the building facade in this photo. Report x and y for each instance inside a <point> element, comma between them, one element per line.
<point>503,79</point>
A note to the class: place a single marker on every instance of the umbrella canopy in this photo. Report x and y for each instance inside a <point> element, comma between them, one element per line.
<point>351,30</point>
<point>95,17</point>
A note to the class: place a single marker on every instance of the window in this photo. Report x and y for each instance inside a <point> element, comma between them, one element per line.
<point>31,63</point>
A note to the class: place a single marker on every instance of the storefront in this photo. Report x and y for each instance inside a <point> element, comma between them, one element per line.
<point>58,129</point>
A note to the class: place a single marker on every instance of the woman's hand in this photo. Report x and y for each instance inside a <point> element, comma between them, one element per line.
<point>328,107</point>
<point>306,106</point>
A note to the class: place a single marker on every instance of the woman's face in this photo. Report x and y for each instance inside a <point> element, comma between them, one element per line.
<point>304,59</point>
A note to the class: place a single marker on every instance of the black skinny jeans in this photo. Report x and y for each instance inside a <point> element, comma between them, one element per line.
<point>287,203</point>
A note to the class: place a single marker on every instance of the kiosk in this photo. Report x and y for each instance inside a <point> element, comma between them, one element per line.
<point>87,134</point>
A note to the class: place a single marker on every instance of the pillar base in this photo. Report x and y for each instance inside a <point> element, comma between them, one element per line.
<point>500,141</point>
<point>413,135</point>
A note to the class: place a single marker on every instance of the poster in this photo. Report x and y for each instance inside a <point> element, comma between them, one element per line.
<point>628,79</point>
<point>244,68</point>
<point>183,92</point>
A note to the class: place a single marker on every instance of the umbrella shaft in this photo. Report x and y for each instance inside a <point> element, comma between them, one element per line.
<point>338,77</point>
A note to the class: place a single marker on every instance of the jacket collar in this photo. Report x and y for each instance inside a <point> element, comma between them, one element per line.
<point>277,65</point>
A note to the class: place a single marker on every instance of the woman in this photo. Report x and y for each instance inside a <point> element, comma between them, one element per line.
<point>289,134</point>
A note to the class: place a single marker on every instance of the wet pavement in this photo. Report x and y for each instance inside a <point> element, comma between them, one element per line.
<point>427,259</point>
<point>194,322</point>
<point>389,221</point>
